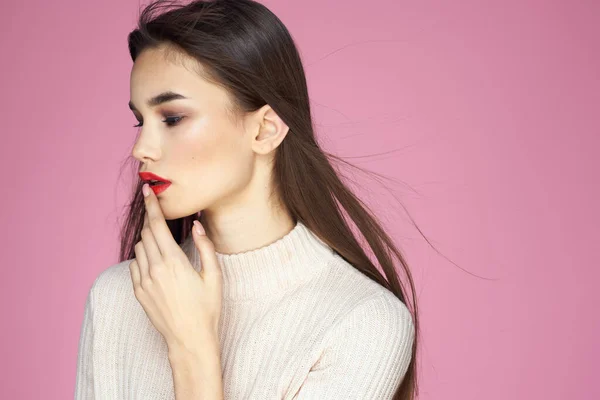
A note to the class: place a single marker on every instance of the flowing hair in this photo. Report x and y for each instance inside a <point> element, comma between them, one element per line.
<point>243,47</point>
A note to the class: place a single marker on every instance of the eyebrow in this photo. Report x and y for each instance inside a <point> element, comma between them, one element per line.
<point>160,98</point>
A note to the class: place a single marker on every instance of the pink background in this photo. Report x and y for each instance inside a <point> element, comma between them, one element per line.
<point>489,113</point>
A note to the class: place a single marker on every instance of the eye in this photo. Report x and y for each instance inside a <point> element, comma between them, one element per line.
<point>170,121</point>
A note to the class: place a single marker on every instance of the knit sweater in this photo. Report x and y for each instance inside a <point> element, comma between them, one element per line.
<point>297,322</point>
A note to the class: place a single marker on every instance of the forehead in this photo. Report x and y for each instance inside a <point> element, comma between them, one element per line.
<point>158,70</point>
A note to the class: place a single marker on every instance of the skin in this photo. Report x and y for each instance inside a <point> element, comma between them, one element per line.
<point>219,165</point>
<point>216,165</point>
<point>183,305</point>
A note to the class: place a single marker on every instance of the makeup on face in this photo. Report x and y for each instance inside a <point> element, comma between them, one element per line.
<point>157,183</point>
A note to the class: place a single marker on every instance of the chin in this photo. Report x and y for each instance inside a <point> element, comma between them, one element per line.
<point>170,213</point>
<point>175,213</point>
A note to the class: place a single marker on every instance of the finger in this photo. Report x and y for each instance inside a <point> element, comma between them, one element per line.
<point>153,256</point>
<point>211,270</point>
<point>142,262</point>
<point>134,270</point>
<point>163,238</point>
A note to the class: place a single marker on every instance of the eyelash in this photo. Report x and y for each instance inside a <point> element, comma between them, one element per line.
<point>168,120</point>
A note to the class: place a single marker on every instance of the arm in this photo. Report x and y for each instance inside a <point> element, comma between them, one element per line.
<point>197,373</point>
<point>366,355</point>
<point>84,380</point>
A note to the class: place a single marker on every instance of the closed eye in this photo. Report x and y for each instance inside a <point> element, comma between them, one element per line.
<point>170,121</point>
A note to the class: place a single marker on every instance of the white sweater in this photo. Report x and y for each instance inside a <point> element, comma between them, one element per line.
<point>298,322</point>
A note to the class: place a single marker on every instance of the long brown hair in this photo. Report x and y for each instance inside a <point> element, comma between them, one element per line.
<point>246,49</point>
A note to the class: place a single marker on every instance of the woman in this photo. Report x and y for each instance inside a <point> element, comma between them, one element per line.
<point>272,297</point>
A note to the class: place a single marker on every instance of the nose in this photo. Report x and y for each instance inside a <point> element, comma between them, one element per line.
<point>146,148</point>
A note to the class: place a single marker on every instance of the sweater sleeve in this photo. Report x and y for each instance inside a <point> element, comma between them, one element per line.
<point>366,355</point>
<point>84,383</point>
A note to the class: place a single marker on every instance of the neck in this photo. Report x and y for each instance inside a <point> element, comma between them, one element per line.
<point>273,268</point>
<point>250,218</point>
<point>232,235</point>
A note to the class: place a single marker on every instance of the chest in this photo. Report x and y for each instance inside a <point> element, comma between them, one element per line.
<point>265,353</point>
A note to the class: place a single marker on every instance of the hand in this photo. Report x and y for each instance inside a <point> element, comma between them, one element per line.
<point>183,305</point>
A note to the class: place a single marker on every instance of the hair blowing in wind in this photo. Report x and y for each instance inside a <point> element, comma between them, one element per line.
<point>246,49</point>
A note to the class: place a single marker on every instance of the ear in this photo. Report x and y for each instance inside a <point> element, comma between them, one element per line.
<point>270,130</point>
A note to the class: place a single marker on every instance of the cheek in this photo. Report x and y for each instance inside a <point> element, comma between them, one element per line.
<point>220,161</point>
<point>199,146</point>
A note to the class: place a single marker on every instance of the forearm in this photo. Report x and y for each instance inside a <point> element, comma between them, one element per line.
<point>197,374</point>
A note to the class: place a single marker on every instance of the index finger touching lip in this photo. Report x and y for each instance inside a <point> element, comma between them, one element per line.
<point>156,218</point>
<point>158,225</point>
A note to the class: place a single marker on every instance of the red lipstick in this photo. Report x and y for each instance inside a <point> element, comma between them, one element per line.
<point>157,183</point>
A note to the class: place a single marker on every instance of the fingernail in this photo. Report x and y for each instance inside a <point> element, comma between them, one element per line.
<point>146,190</point>
<point>199,228</point>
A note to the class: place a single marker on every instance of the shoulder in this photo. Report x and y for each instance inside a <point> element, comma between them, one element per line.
<point>345,280</point>
<point>383,315</point>
<point>112,284</point>
<point>368,342</point>
<point>379,318</point>
<point>111,276</point>
<point>374,329</point>
<point>368,306</point>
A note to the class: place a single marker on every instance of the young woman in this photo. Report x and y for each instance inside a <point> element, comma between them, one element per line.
<point>271,296</point>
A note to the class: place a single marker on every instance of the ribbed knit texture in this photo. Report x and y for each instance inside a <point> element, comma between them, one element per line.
<point>298,322</point>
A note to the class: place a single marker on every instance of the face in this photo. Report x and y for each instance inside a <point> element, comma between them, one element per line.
<point>193,141</point>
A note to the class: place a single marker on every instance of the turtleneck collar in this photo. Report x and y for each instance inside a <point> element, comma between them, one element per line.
<point>270,269</point>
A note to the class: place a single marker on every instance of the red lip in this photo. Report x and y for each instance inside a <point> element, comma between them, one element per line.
<point>149,176</point>
<point>159,187</point>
